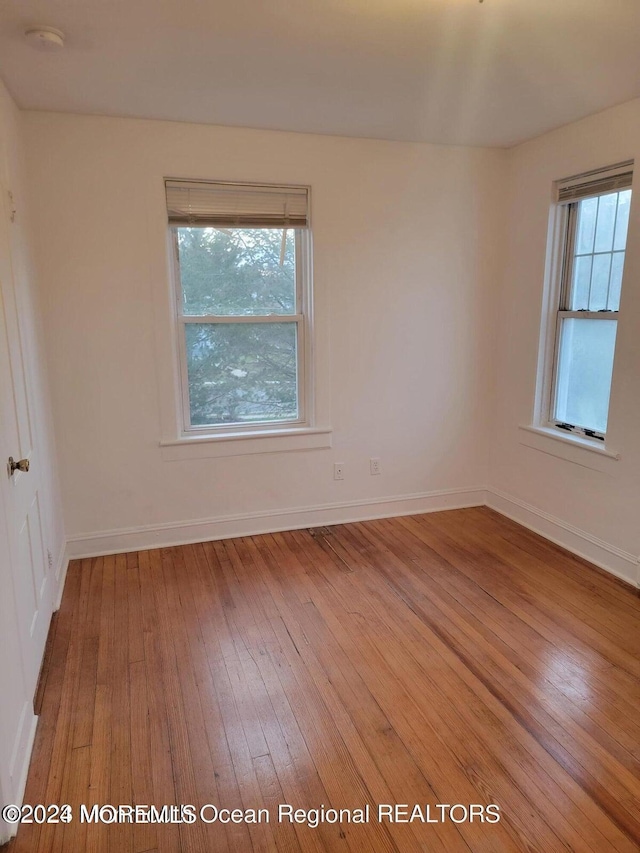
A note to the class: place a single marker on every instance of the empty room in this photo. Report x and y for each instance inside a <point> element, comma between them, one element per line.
<point>319,424</point>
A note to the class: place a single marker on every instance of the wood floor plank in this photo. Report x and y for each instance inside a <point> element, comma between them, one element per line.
<point>192,837</point>
<point>551,595</point>
<point>441,618</point>
<point>120,787</point>
<point>526,645</point>
<point>214,838</point>
<point>135,628</point>
<point>100,770</point>
<point>450,658</point>
<point>162,775</point>
<point>543,614</point>
<point>46,749</point>
<point>323,741</point>
<point>228,770</point>
<point>447,712</point>
<point>145,835</point>
<point>51,835</point>
<point>294,766</point>
<point>606,586</point>
<point>352,705</point>
<point>590,606</point>
<point>531,654</point>
<point>73,835</point>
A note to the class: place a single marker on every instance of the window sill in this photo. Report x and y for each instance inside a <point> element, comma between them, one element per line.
<point>241,443</point>
<point>569,447</point>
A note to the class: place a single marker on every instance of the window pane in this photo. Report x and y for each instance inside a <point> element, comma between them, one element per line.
<point>615,287</point>
<point>599,282</point>
<point>607,207</point>
<point>581,283</point>
<point>587,210</point>
<point>600,241</point>
<point>622,220</point>
<point>585,366</point>
<point>237,271</point>
<point>241,372</point>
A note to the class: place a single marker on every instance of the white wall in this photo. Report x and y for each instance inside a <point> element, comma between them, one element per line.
<point>429,269</point>
<point>589,495</point>
<point>405,259</point>
<point>17,724</point>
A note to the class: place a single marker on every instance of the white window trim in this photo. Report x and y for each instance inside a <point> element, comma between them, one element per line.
<point>173,443</point>
<point>543,424</point>
<point>549,325</point>
<point>563,245</point>
<point>240,444</point>
<point>570,447</point>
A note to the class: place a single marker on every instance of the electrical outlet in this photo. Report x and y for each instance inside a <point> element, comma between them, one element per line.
<point>338,470</point>
<point>374,466</point>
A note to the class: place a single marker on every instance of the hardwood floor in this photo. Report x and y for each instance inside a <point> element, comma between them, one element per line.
<point>451,658</point>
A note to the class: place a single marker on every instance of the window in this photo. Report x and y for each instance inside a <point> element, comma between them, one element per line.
<point>593,217</point>
<point>242,295</point>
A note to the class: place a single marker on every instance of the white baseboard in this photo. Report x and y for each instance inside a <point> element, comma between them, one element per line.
<point>26,757</point>
<point>249,524</point>
<point>620,563</point>
<point>61,575</point>
<point>6,834</point>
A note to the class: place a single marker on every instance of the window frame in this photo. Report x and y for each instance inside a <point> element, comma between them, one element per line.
<point>304,323</point>
<point>560,267</point>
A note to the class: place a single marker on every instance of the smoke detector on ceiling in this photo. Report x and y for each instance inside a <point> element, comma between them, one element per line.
<point>45,38</point>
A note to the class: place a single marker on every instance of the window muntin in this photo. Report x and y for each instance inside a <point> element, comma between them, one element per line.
<point>599,247</point>
<point>586,323</point>
<point>242,294</point>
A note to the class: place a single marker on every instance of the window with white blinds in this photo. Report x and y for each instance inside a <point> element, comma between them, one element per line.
<point>591,184</point>
<point>236,205</point>
<point>242,276</point>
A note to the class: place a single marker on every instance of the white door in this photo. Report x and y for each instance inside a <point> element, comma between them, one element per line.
<point>17,722</point>
<point>26,583</point>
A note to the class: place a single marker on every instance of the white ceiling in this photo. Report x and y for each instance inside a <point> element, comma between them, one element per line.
<point>447,71</point>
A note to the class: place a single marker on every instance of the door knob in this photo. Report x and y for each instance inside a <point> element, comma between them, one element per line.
<point>20,465</point>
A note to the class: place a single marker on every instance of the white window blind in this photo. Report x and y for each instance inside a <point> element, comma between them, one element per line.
<point>209,204</point>
<point>600,182</point>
